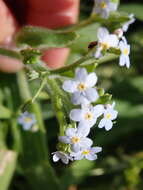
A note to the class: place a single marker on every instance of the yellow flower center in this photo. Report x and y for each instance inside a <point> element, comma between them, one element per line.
<point>105,45</point>
<point>27,119</point>
<point>103,5</point>
<point>82,87</point>
<point>85,152</point>
<point>108,115</point>
<point>126,51</point>
<point>75,140</point>
<point>88,116</point>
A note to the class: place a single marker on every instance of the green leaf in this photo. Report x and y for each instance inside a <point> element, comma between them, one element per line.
<point>5,113</point>
<point>134,8</point>
<point>39,37</point>
<point>7,167</point>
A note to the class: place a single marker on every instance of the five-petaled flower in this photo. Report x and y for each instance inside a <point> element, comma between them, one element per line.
<point>89,153</point>
<point>109,115</point>
<point>27,120</point>
<point>81,87</point>
<point>125,51</point>
<point>77,138</point>
<point>105,41</point>
<point>104,7</point>
<point>86,116</point>
<point>59,155</point>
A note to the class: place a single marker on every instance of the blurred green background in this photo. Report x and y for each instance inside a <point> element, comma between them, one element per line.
<point>120,165</point>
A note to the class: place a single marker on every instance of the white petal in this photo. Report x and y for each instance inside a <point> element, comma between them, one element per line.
<point>80,74</point>
<point>91,94</point>
<point>78,98</point>
<point>86,142</point>
<point>91,80</point>
<point>55,158</point>
<point>83,130</point>
<point>113,6</point>
<point>98,110</point>
<point>91,157</point>
<point>65,160</point>
<point>122,60</point>
<point>70,132</point>
<point>75,147</point>
<point>102,123</point>
<point>69,86</point>
<point>78,156</point>
<point>96,149</point>
<point>102,32</point>
<point>64,139</point>
<point>127,61</point>
<point>113,40</point>
<point>108,125</point>
<point>114,114</point>
<point>76,114</point>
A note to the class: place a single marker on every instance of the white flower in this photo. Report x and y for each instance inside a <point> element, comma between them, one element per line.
<point>87,116</point>
<point>61,155</point>
<point>87,153</point>
<point>81,87</point>
<point>27,120</point>
<point>104,7</point>
<point>105,41</point>
<point>109,115</point>
<point>125,51</point>
<point>127,24</point>
<point>77,138</point>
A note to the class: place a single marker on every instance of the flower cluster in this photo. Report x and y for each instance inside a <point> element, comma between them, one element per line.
<point>104,7</point>
<point>116,40</point>
<point>27,121</point>
<point>84,93</point>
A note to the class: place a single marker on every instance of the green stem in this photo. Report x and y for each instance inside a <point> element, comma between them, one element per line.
<point>10,53</point>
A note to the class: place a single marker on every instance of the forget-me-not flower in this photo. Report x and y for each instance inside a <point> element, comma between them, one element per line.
<point>87,116</point>
<point>104,7</point>
<point>125,51</point>
<point>89,153</point>
<point>27,120</point>
<point>59,155</point>
<point>77,138</point>
<point>81,87</point>
<point>109,115</point>
<point>105,41</point>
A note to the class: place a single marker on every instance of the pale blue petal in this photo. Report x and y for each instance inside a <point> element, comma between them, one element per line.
<point>86,142</point>
<point>75,147</point>
<point>76,114</point>
<point>96,149</point>
<point>108,125</point>
<point>64,139</point>
<point>91,94</point>
<point>102,32</point>
<point>80,74</point>
<point>98,110</point>
<point>69,86</point>
<point>91,157</point>
<point>114,114</point>
<point>91,80</point>
<point>70,132</point>
<point>102,123</point>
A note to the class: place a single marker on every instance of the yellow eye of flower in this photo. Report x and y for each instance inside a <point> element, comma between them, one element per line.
<point>105,45</point>
<point>75,140</point>
<point>103,5</point>
<point>88,116</point>
<point>126,51</point>
<point>85,152</point>
<point>27,119</point>
<point>81,87</point>
<point>108,115</point>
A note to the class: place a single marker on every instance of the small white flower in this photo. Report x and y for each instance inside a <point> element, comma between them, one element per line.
<point>77,138</point>
<point>87,116</point>
<point>104,7</point>
<point>61,155</point>
<point>125,51</point>
<point>81,87</point>
<point>27,120</point>
<point>109,115</point>
<point>89,153</point>
<point>105,41</point>
<point>127,24</point>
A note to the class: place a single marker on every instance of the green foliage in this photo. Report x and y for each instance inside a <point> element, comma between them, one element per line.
<point>40,37</point>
